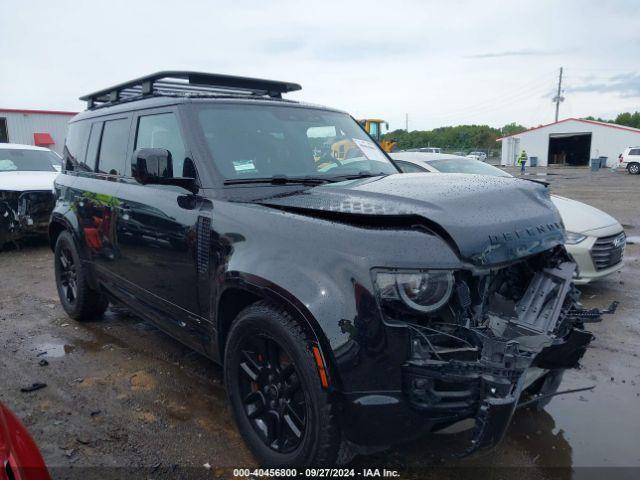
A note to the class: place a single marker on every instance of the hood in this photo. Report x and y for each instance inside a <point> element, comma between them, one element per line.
<point>26,181</point>
<point>486,220</point>
<point>579,217</point>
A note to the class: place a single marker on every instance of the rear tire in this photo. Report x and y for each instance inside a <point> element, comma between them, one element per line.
<point>634,168</point>
<point>280,407</point>
<point>78,299</point>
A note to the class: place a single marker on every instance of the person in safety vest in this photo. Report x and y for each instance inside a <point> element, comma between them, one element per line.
<point>522,160</point>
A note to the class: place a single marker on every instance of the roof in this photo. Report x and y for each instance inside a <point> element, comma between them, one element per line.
<point>153,102</point>
<point>45,112</point>
<point>19,146</point>
<point>582,120</point>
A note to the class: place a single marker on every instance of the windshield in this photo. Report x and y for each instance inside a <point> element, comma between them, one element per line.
<point>22,160</point>
<point>260,141</point>
<point>466,165</point>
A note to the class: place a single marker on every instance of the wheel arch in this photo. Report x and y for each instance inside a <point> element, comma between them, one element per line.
<point>245,290</point>
<point>65,223</point>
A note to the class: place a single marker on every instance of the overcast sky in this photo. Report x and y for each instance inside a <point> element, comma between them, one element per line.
<point>444,63</point>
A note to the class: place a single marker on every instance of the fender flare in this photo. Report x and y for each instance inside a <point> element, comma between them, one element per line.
<point>270,291</point>
<point>68,222</point>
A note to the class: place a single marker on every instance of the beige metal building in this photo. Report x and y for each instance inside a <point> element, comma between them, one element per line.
<point>43,128</point>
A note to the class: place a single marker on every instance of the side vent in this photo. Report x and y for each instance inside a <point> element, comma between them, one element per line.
<point>203,247</point>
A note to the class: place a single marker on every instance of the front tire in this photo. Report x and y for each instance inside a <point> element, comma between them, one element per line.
<point>78,299</point>
<point>634,168</point>
<point>272,381</point>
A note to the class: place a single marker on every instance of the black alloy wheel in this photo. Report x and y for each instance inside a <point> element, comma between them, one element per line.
<point>283,412</point>
<point>79,300</point>
<point>68,275</point>
<point>271,393</point>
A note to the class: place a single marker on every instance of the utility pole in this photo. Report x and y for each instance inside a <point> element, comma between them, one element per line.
<point>406,122</point>
<point>559,98</point>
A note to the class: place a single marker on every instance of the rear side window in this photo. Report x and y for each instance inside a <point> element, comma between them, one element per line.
<point>113,148</point>
<point>634,151</point>
<point>162,131</point>
<point>94,144</point>
<point>74,145</point>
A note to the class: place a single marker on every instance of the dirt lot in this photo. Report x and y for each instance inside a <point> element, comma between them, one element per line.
<point>125,400</point>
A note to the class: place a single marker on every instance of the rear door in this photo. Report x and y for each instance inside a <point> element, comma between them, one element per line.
<point>93,192</point>
<point>158,237</point>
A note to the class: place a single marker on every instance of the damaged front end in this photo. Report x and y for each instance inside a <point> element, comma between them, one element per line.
<point>24,214</point>
<point>505,336</point>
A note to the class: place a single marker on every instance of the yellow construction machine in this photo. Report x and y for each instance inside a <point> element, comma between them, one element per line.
<point>373,126</point>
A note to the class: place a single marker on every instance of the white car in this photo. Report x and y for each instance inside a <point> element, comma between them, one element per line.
<point>595,239</point>
<point>630,160</point>
<point>477,156</point>
<point>26,190</point>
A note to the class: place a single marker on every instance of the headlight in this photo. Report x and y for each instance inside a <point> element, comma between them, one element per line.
<point>425,291</point>
<point>572,238</point>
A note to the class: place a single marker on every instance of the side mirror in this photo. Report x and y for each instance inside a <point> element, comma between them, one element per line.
<point>154,166</point>
<point>149,165</point>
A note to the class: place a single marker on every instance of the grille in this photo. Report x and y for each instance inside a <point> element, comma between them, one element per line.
<point>608,251</point>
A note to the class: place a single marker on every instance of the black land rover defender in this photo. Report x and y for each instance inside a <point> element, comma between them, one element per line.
<point>350,305</point>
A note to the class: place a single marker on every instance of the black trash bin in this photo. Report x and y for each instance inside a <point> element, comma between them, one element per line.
<point>603,162</point>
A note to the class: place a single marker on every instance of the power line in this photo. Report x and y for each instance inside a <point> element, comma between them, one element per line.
<point>523,88</point>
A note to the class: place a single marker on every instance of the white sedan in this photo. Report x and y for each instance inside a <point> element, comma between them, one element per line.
<point>26,190</point>
<point>595,239</point>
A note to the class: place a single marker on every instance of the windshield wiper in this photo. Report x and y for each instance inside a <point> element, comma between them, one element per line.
<point>355,176</point>
<point>278,180</point>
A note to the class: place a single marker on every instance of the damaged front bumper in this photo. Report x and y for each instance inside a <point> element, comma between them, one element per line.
<point>24,214</point>
<point>482,368</point>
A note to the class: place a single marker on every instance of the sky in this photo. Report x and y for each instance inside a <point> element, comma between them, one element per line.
<point>439,62</point>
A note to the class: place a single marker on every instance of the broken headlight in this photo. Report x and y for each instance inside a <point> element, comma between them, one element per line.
<point>422,290</point>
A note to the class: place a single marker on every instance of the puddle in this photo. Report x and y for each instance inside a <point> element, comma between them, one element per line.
<point>54,350</point>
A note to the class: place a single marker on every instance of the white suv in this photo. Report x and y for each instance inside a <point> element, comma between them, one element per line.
<point>630,159</point>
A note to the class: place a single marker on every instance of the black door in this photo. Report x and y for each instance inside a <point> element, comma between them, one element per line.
<point>157,236</point>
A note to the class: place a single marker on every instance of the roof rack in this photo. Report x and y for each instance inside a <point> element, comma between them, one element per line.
<point>183,83</point>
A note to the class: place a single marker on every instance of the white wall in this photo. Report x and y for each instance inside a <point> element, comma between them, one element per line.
<point>605,141</point>
<point>22,126</point>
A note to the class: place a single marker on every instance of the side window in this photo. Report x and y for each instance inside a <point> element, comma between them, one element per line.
<point>75,143</point>
<point>162,131</point>
<point>407,167</point>
<point>4,131</point>
<point>113,148</point>
<point>94,144</point>
<point>374,131</point>
<point>634,151</point>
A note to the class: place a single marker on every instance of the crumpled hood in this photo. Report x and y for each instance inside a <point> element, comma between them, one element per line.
<point>489,220</point>
<point>581,218</point>
<point>27,181</point>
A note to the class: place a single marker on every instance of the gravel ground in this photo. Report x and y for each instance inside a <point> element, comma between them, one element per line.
<point>123,399</point>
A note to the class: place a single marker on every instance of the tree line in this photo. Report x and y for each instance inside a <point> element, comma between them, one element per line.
<point>477,137</point>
